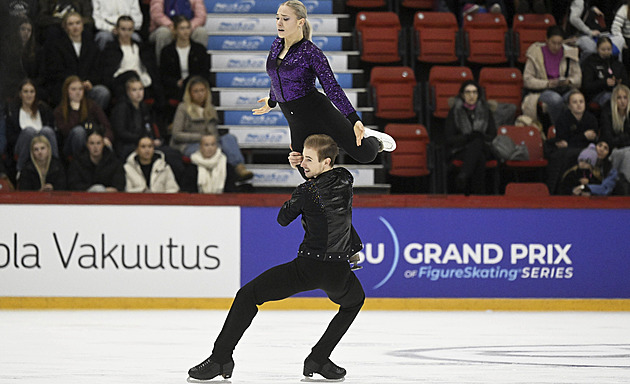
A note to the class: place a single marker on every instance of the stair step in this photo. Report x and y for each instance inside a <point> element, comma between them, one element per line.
<point>279,175</point>
<point>266,23</point>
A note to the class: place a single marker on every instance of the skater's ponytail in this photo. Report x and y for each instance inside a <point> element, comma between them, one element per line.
<point>300,12</point>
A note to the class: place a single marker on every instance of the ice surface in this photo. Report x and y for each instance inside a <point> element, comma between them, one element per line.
<point>87,347</point>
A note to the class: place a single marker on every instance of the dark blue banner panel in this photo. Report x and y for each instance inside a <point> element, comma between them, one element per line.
<point>467,253</point>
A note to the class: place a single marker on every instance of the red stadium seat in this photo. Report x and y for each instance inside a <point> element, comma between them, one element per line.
<point>485,38</point>
<point>362,4</point>
<point>528,29</point>
<point>435,37</point>
<point>526,189</point>
<point>532,139</point>
<point>502,84</point>
<point>410,157</point>
<point>393,92</point>
<point>378,36</point>
<point>417,4</point>
<point>444,83</point>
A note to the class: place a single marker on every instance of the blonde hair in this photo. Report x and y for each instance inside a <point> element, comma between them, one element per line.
<point>617,118</point>
<point>301,13</point>
<point>64,19</point>
<point>209,113</point>
<point>43,170</point>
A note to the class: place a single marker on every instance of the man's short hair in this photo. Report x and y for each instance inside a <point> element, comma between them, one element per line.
<point>324,145</point>
<point>123,18</point>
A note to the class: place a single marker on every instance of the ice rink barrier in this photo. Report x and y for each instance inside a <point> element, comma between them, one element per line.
<point>68,249</point>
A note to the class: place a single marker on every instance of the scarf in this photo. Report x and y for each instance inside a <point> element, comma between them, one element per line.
<point>211,173</point>
<point>467,125</point>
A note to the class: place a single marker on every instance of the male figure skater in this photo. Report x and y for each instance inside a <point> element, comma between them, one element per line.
<point>325,203</point>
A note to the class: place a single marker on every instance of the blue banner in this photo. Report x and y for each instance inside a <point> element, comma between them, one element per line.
<point>467,253</point>
<point>263,43</point>
<point>261,80</point>
<point>263,6</point>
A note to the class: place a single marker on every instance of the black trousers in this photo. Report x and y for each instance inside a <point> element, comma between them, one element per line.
<point>302,274</point>
<point>314,113</point>
<point>473,157</point>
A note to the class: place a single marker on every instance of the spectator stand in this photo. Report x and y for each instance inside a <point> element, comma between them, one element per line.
<point>239,41</point>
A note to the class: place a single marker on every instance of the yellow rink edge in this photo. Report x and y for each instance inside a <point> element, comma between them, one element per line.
<point>376,304</point>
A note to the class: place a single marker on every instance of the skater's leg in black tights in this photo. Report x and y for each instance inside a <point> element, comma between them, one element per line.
<point>276,283</point>
<point>350,300</point>
<point>315,114</point>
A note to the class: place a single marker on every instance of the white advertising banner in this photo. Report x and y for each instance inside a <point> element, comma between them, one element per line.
<point>119,251</point>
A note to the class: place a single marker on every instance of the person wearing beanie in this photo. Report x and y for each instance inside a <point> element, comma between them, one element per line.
<point>577,177</point>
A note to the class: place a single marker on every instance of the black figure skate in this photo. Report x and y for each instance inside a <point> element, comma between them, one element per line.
<point>329,370</point>
<point>354,260</point>
<point>209,369</point>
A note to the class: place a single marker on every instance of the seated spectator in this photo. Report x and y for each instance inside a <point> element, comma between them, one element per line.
<point>28,117</point>
<point>182,59</point>
<point>575,130</point>
<point>123,58</point>
<point>583,27</point>
<point>77,115</point>
<point>601,73</point>
<point>132,119</point>
<point>469,131</point>
<point>551,71</point>
<point>32,56</point>
<point>43,171</point>
<point>615,118</point>
<point>146,170</point>
<point>75,54</point>
<point>578,176</point>
<point>210,169</point>
<point>162,28</point>
<point>97,169</point>
<point>107,12</point>
<point>621,29</point>
<point>52,12</point>
<point>196,116</point>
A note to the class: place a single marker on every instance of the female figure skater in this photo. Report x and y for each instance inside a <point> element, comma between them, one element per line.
<point>293,64</point>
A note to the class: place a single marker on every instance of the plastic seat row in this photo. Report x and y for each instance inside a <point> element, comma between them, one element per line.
<point>395,94</point>
<point>417,156</point>
<point>436,38</point>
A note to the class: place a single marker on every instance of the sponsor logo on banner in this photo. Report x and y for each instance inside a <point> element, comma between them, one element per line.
<point>243,25</point>
<point>251,80</point>
<point>262,6</point>
<point>234,6</point>
<point>246,43</point>
<point>434,261</point>
<point>119,251</point>
<point>456,252</point>
<point>275,136</point>
<point>246,63</point>
<point>320,41</point>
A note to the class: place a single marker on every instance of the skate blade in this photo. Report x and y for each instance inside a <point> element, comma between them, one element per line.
<point>307,379</point>
<point>191,380</point>
<point>355,267</point>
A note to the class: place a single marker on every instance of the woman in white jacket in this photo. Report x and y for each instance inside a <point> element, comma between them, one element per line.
<point>211,165</point>
<point>146,170</point>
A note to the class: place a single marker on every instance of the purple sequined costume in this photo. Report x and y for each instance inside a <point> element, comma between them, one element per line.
<point>307,110</point>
